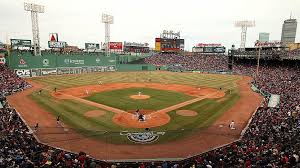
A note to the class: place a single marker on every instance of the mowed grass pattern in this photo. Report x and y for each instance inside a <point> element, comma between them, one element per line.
<point>193,79</point>
<point>72,111</point>
<point>120,98</point>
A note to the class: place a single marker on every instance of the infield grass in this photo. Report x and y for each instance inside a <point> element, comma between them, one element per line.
<point>120,98</point>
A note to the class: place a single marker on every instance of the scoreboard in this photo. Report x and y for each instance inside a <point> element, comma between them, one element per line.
<point>209,48</point>
<point>169,45</point>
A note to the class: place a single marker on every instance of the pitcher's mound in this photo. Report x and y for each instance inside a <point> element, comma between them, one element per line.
<point>188,113</point>
<point>94,113</point>
<point>140,96</point>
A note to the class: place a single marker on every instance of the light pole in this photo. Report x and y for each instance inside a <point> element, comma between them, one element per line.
<point>107,20</point>
<point>258,58</point>
<point>244,25</point>
<point>35,9</point>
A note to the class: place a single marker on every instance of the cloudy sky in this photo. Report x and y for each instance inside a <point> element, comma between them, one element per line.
<point>199,21</point>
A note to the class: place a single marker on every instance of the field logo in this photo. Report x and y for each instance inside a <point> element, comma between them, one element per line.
<point>45,62</point>
<point>22,61</point>
<point>142,137</point>
<point>98,60</point>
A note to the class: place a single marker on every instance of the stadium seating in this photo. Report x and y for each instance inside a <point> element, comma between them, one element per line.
<point>271,140</point>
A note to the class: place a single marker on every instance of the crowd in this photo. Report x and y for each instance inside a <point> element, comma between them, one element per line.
<point>10,82</point>
<point>271,53</point>
<point>271,140</point>
<point>191,62</point>
<point>19,148</point>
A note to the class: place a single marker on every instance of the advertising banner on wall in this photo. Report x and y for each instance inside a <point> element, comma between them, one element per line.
<point>92,46</point>
<point>209,45</point>
<point>268,44</point>
<point>219,50</point>
<point>56,44</point>
<point>115,45</point>
<point>20,43</point>
<point>157,44</point>
<point>135,44</point>
<point>23,73</point>
<point>49,72</point>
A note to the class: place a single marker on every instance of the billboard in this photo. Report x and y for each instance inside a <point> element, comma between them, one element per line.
<point>171,45</point>
<point>115,45</point>
<point>157,44</point>
<point>209,49</point>
<point>20,43</point>
<point>56,44</point>
<point>135,44</point>
<point>23,73</point>
<point>92,46</point>
<point>209,45</point>
<point>53,37</point>
<point>268,44</point>
<point>197,49</point>
<point>136,47</point>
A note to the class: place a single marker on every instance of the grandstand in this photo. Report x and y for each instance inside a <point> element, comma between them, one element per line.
<point>270,138</point>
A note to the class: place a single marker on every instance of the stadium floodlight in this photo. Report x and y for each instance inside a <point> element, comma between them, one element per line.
<point>244,25</point>
<point>35,9</point>
<point>107,20</point>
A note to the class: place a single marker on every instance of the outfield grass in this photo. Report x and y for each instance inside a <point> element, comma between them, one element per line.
<point>193,79</point>
<point>121,98</point>
<point>71,111</point>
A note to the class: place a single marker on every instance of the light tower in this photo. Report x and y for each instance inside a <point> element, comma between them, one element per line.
<point>107,20</point>
<point>35,9</point>
<point>244,25</point>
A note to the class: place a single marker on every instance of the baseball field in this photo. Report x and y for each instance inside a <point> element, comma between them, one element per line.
<point>126,109</point>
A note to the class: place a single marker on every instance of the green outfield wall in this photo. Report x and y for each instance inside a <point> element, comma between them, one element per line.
<point>25,64</point>
<point>27,61</point>
<point>135,67</point>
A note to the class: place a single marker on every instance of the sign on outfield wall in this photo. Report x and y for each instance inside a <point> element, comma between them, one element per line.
<point>49,72</point>
<point>73,61</point>
<point>56,44</point>
<point>20,43</point>
<point>92,46</point>
<point>23,73</point>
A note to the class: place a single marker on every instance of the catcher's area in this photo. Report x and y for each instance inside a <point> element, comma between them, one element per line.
<point>216,135</point>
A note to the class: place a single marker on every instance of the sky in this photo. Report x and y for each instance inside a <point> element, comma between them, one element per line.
<point>210,21</point>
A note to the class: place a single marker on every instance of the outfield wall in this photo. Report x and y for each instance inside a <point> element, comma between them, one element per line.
<point>135,67</point>
<point>27,61</point>
<point>24,64</point>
